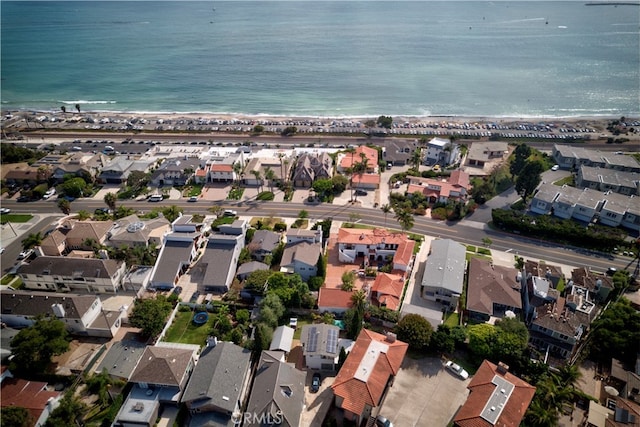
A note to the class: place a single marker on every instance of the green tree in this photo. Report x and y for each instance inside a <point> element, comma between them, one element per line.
<point>303,214</point>
<point>416,158</point>
<point>74,187</point>
<point>68,412</point>
<point>482,338</point>
<point>385,122</point>
<point>271,309</point>
<point>16,416</point>
<point>270,175</point>
<point>65,206</point>
<point>257,280</point>
<point>511,340</point>
<point>529,178</point>
<point>348,278</point>
<point>150,315</point>
<point>34,346</point>
<point>110,200</point>
<point>385,210</point>
<point>262,336</point>
<point>404,218</point>
<point>258,176</point>
<point>322,188</point>
<point>122,211</point>
<point>138,180</point>
<point>171,213</point>
<point>520,156</point>
<point>616,332</point>
<point>415,330</point>
<point>340,183</point>
<point>32,240</point>
<point>243,316</point>
<point>342,356</point>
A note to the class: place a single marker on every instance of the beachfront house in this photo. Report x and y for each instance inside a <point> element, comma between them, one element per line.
<point>442,152</point>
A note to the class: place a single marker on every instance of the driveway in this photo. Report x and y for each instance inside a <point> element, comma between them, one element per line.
<point>424,394</point>
<point>317,404</point>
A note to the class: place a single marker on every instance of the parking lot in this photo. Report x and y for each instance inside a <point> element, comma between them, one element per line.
<point>424,394</point>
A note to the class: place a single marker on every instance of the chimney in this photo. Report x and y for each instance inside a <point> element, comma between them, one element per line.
<point>391,337</point>
<point>503,368</point>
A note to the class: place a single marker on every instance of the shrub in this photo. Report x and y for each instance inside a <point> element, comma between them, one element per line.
<point>265,196</point>
<point>279,226</point>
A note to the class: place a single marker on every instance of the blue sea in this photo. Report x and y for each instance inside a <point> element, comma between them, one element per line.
<point>323,58</point>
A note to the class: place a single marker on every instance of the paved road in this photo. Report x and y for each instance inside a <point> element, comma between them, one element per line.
<point>472,233</point>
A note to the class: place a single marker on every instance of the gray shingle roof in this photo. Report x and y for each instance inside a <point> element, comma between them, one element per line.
<point>162,365</point>
<point>65,266</point>
<point>266,240</point>
<point>301,252</point>
<point>445,266</point>
<point>277,386</point>
<point>218,258</point>
<point>34,303</point>
<point>219,376</point>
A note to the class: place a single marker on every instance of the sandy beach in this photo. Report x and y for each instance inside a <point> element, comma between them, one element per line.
<point>167,121</point>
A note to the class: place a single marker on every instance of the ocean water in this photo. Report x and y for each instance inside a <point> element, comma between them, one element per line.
<point>323,58</point>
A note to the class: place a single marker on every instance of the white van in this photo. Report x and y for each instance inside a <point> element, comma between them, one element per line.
<point>156,198</point>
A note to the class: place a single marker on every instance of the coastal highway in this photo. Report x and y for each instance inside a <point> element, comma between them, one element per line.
<point>468,234</point>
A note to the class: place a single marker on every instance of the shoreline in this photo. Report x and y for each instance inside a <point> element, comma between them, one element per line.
<point>308,117</point>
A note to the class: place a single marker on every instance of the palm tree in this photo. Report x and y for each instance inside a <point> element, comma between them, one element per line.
<point>65,206</point>
<point>32,240</point>
<point>359,299</point>
<point>237,169</point>
<point>216,210</point>
<point>405,218</point>
<point>110,200</point>
<point>258,177</point>
<point>416,158</point>
<point>171,213</point>
<point>271,176</point>
<point>385,209</point>
<point>569,375</point>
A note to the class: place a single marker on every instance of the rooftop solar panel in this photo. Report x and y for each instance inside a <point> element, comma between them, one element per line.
<point>312,342</point>
<point>332,341</point>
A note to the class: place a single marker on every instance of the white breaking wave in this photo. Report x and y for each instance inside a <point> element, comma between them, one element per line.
<point>82,101</point>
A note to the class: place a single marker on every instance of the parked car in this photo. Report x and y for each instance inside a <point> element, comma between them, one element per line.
<point>5,210</point>
<point>25,254</point>
<point>383,422</point>
<point>361,192</point>
<point>315,383</point>
<point>457,369</point>
<point>177,290</point>
<point>229,212</point>
<point>194,297</point>
<point>193,198</point>
<point>555,167</point>
<point>611,271</point>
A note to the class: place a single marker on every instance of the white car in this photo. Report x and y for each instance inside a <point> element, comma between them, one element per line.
<point>5,210</point>
<point>25,254</point>
<point>457,369</point>
<point>555,167</point>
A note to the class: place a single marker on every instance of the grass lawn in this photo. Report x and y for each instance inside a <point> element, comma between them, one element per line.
<point>194,190</point>
<point>301,322</point>
<point>266,221</point>
<point>15,218</point>
<point>566,180</point>
<point>184,331</point>
<point>452,320</point>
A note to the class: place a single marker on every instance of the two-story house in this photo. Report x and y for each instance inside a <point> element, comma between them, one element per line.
<point>320,346</point>
<point>159,379</point>
<point>82,314</point>
<point>375,245</point>
<point>218,385</point>
<point>176,171</point>
<point>444,272</point>
<point>626,183</point>
<point>370,367</point>
<point>441,151</point>
<point>311,167</point>
<point>492,290</point>
<point>64,274</point>
<point>455,188</point>
<point>301,258</point>
<point>263,243</point>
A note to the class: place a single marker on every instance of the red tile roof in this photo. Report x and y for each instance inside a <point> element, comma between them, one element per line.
<point>362,236</point>
<point>365,178</point>
<point>363,377</point>
<point>329,297</point>
<point>371,153</point>
<point>30,395</point>
<point>390,287</point>
<point>481,388</point>
<point>404,253</point>
<point>221,168</point>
